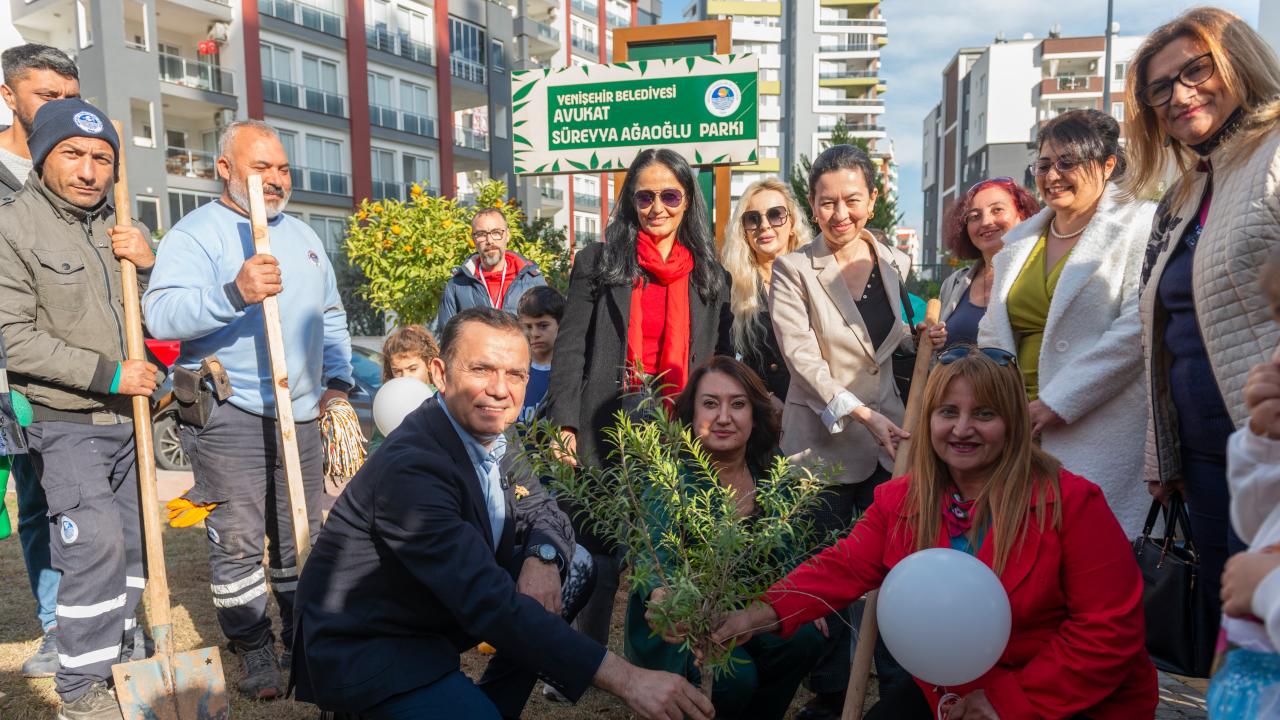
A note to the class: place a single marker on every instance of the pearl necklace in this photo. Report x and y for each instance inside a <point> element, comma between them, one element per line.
<point>1054,231</point>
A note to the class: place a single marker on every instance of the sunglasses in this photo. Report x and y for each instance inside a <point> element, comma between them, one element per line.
<point>669,197</point>
<point>1195,73</point>
<point>776,216</point>
<point>1063,165</point>
<point>1003,358</point>
<point>983,184</point>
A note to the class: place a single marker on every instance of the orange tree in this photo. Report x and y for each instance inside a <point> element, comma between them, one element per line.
<point>408,249</point>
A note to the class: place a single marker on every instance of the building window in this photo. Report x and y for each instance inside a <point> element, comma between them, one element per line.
<point>136,31</point>
<point>1121,70</point>
<point>148,211</point>
<point>182,202</point>
<point>320,86</point>
<point>418,170</point>
<point>289,141</point>
<point>467,41</point>
<point>381,107</point>
<point>499,53</point>
<point>323,171</point>
<point>1117,111</point>
<point>982,122</point>
<point>142,122</point>
<point>415,106</point>
<point>384,175</point>
<point>332,232</point>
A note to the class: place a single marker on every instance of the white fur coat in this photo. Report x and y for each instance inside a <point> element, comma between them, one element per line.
<point>1091,359</point>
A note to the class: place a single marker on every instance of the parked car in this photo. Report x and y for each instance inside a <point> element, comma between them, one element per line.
<point>366,366</point>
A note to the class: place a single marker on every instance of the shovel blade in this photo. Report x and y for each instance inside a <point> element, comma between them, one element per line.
<point>199,685</point>
<point>188,686</point>
<point>144,690</point>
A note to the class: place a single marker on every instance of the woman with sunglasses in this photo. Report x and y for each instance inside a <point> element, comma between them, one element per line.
<point>980,484</point>
<point>766,225</point>
<point>651,302</point>
<point>1065,301</point>
<point>975,230</point>
<point>1203,101</point>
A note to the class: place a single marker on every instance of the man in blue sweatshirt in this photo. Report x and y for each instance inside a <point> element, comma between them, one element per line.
<point>206,290</point>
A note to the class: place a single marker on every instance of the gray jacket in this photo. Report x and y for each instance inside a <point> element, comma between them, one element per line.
<point>465,289</point>
<point>60,303</point>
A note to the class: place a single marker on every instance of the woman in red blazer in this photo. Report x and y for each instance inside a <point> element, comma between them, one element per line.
<point>979,484</point>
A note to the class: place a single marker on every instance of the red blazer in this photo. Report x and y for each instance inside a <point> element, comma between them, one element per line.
<point>1078,640</point>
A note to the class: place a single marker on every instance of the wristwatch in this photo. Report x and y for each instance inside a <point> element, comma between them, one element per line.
<point>546,552</point>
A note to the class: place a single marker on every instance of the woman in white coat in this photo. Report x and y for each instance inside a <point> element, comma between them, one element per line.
<point>1065,301</point>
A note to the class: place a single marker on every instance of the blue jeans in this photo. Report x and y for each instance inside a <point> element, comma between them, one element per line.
<point>452,696</point>
<point>33,533</point>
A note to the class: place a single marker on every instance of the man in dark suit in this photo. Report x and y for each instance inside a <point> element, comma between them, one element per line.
<point>429,551</point>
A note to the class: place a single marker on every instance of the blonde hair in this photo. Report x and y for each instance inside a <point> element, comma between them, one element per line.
<point>740,260</point>
<point>1250,73</point>
<point>1023,474</point>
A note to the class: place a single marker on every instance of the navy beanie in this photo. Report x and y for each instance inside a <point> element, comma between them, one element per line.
<point>58,120</point>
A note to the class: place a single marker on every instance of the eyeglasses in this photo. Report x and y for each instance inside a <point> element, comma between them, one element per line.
<point>1195,73</point>
<point>670,197</point>
<point>777,217</point>
<point>1063,165</point>
<point>482,235</point>
<point>1003,358</point>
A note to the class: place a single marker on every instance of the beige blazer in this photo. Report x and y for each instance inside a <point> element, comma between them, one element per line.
<point>826,346</point>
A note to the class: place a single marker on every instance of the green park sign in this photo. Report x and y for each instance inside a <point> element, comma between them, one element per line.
<point>590,118</point>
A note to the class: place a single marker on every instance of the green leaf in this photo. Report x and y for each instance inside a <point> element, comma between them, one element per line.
<point>697,157</point>
<point>518,123</point>
<point>626,66</point>
<point>586,69</point>
<point>644,64</point>
<point>556,166</point>
<point>518,107</point>
<point>580,166</point>
<point>722,157</point>
<point>714,59</point>
<point>516,137</point>
<point>690,62</point>
<point>595,161</point>
<point>522,92</point>
<point>752,156</point>
<point>541,167</point>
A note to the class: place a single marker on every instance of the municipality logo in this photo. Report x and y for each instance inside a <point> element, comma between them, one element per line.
<point>70,532</point>
<point>723,98</point>
<point>88,122</point>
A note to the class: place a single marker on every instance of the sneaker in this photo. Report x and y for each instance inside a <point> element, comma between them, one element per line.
<point>44,663</point>
<point>261,679</point>
<point>98,703</point>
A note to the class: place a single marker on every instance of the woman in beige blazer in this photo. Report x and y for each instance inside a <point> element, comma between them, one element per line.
<point>837,313</point>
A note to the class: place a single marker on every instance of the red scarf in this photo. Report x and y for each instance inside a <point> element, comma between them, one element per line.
<point>673,355</point>
<point>498,282</point>
<point>957,513</point>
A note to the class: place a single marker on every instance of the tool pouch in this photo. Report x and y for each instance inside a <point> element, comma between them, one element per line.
<point>195,399</point>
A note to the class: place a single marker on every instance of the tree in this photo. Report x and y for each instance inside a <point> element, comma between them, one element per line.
<point>658,497</point>
<point>886,217</point>
<point>542,232</point>
<point>407,250</point>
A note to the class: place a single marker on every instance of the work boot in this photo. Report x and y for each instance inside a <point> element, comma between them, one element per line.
<point>97,703</point>
<point>44,663</point>
<point>262,680</point>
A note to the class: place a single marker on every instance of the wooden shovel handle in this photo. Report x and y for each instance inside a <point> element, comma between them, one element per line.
<point>860,672</point>
<point>280,381</point>
<point>136,349</point>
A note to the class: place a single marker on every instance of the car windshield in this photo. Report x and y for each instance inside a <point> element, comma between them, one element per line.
<point>366,365</point>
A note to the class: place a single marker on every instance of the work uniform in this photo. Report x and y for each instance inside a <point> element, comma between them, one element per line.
<point>236,457</point>
<point>63,323</point>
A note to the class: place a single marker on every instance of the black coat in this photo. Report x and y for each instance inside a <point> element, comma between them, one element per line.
<point>766,359</point>
<point>405,577</point>
<point>587,367</point>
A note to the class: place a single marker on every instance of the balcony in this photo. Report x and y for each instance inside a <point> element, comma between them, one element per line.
<point>387,189</point>
<point>465,69</point>
<point>320,181</point>
<point>281,92</point>
<point>1065,84</point>
<point>393,119</point>
<point>186,162</point>
<point>196,74</point>
<point>582,237</point>
<point>382,38</point>
<point>586,7</point>
<point>586,201</point>
<point>305,14</point>
<point>849,47</point>
<point>542,37</point>
<point>615,20</point>
<point>471,138</point>
<point>586,45</point>
<point>860,25</point>
<point>852,128</point>
<point>850,102</point>
<point>551,196</point>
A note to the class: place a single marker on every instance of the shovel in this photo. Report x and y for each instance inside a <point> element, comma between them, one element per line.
<point>171,685</point>
<point>860,672</point>
<point>280,381</point>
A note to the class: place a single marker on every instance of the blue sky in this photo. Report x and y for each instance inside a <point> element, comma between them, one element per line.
<point>925,34</point>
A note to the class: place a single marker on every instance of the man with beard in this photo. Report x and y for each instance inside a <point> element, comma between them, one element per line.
<point>492,277</point>
<point>33,75</point>
<point>206,291</point>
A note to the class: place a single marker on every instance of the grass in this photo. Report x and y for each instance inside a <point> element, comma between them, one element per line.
<point>195,626</point>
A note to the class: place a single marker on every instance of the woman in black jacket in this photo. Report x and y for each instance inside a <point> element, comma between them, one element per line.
<point>650,301</point>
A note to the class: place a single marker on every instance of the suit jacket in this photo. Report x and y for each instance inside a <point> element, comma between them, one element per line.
<point>1090,369</point>
<point>1078,641</point>
<point>587,369</point>
<point>828,350</point>
<point>405,577</point>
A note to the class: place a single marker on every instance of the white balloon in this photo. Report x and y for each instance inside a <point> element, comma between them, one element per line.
<point>395,399</point>
<point>944,616</point>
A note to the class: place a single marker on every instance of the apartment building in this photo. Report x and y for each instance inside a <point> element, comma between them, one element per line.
<point>831,73</point>
<point>369,96</point>
<point>994,101</point>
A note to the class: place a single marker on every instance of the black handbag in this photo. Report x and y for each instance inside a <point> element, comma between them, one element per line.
<point>1182,624</point>
<point>904,363</point>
